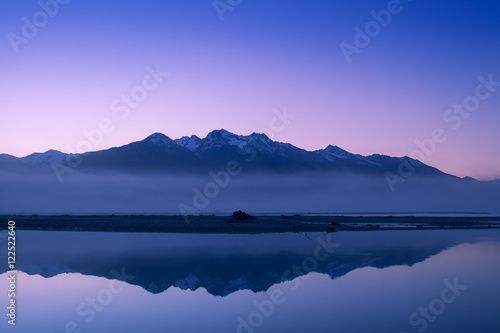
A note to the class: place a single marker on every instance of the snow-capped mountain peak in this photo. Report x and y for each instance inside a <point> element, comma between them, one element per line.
<point>260,136</point>
<point>158,138</point>
<point>333,153</point>
<point>219,138</point>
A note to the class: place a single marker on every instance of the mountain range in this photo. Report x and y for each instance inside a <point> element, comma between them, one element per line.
<point>256,152</point>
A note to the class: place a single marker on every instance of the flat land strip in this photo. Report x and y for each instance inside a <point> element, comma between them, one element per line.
<point>226,224</point>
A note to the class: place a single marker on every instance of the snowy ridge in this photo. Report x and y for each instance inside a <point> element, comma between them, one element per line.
<point>192,142</point>
<point>217,139</point>
<point>48,157</point>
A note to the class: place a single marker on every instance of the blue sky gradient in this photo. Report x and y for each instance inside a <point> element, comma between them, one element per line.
<point>263,55</point>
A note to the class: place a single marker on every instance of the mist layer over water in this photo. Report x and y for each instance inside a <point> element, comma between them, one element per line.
<point>82,193</point>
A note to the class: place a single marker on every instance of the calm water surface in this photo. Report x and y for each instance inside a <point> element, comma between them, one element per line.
<point>385,281</point>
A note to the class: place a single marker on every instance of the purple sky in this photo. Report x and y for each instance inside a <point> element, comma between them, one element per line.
<point>264,55</point>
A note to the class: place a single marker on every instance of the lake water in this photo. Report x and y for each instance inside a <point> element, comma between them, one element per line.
<point>383,281</point>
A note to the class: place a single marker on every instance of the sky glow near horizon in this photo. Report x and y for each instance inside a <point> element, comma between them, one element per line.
<point>264,56</point>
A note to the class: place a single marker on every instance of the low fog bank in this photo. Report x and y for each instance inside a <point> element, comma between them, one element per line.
<point>219,194</point>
